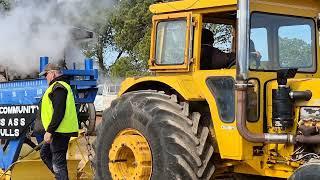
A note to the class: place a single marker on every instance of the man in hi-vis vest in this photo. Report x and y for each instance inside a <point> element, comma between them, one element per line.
<point>59,119</point>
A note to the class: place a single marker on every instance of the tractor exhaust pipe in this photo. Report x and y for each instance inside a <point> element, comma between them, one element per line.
<point>241,93</point>
<point>243,16</point>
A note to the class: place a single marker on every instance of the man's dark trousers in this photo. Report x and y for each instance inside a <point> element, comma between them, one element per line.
<point>54,156</point>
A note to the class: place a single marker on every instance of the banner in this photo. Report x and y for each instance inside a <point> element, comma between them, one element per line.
<point>14,120</point>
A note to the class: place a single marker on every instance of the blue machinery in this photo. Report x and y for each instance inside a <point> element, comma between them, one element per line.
<point>24,94</point>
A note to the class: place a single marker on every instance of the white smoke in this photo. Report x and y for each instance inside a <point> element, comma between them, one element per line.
<point>34,28</point>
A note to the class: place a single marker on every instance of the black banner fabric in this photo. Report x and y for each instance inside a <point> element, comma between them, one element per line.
<point>14,120</point>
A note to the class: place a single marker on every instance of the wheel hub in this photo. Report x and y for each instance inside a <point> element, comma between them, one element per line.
<point>130,156</point>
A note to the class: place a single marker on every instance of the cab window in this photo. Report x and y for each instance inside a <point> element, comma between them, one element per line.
<point>278,42</point>
<point>259,51</point>
<point>217,42</point>
<point>171,42</point>
<point>222,36</point>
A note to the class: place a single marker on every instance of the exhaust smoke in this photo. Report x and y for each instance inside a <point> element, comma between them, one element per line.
<point>34,28</point>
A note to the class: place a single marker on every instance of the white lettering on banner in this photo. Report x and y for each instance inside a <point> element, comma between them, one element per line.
<point>16,132</point>
<point>22,121</point>
<point>15,119</point>
<point>2,122</point>
<point>9,133</point>
<point>18,109</point>
<point>10,122</point>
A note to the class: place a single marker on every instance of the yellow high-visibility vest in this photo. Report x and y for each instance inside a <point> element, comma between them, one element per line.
<point>69,123</point>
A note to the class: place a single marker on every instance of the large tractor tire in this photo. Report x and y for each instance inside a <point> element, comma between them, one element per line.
<point>148,135</point>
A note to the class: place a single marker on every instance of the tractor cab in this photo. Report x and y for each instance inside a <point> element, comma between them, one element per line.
<point>204,36</point>
<point>202,39</point>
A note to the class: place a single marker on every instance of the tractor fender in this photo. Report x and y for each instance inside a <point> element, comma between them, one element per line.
<point>183,86</point>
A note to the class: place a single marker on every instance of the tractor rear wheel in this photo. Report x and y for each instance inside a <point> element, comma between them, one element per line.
<point>148,135</point>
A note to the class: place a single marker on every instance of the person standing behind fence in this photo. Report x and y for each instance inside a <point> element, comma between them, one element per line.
<point>59,119</point>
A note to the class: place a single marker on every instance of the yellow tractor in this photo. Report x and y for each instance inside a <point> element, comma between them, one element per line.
<point>234,94</point>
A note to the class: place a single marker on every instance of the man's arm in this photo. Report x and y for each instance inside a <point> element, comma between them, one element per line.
<point>58,98</point>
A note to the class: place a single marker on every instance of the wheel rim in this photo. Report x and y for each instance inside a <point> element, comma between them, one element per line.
<point>130,156</point>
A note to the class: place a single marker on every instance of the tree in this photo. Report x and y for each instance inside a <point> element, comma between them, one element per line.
<point>125,68</point>
<point>294,53</point>
<point>99,24</point>
<point>97,49</point>
<point>5,5</point>
<point>130,29</point>
<point>125,29</point>
<point>222,35</point>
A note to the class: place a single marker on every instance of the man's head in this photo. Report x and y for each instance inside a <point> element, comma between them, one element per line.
<point>50,72</point>
<point>207,37</point>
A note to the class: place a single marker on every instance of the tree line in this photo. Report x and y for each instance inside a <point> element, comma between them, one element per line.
<point>127,31</point>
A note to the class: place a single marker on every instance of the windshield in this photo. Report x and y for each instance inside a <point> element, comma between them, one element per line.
<point>281,42</point>
<point>171,42</point>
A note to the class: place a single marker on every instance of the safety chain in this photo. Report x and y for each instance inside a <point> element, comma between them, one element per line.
<point>30,132</point>
<point>89,148</point>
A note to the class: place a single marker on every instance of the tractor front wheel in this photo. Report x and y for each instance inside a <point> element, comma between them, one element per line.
<point>148,135</point>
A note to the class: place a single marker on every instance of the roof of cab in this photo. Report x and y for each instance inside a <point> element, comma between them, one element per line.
<point>184,5</point>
